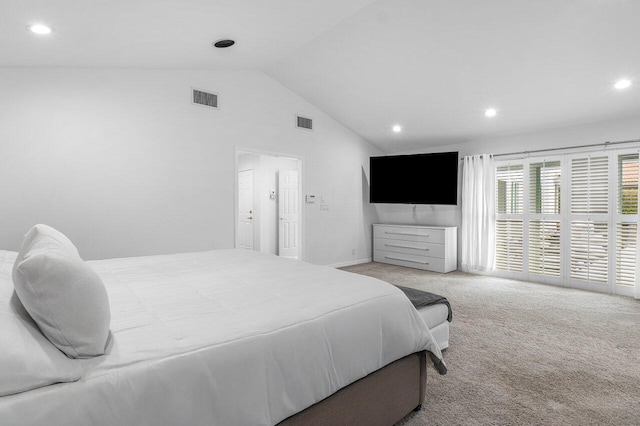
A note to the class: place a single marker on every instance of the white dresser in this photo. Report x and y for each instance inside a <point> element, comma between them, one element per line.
<point>432,248</point>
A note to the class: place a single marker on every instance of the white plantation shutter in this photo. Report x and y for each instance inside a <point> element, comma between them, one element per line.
<point>544,187</point>
<point>509,223</point>
<point>589,251</point>
<point>589,218</point>
<point>590,185</point>
<point>628,184</point>
<point>544,247</point>
<point>627,220</point>
<point>544,215</point>
<point>509,249</point>
<point>626,247</point>
<point>509,195</point>
<point>571,219</point>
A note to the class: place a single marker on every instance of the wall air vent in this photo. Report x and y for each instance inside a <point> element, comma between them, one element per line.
<point>203,98</point>
<point>304,122</point>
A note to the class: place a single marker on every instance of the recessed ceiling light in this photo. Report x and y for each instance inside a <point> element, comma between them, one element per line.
<point>622,84</point>
<point>491,112</point>
<point>397,128</point>
<point>221,44</point>
<point>39,29</point>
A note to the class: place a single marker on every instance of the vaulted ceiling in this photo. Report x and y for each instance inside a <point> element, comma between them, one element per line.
<point>430,66</point>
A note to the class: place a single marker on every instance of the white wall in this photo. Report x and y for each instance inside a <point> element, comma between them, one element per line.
<point>624,129</point>
<point>122,162</point>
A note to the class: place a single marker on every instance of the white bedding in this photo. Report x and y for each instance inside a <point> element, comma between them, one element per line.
<point>226,337</point>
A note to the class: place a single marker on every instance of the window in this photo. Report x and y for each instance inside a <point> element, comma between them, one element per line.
<point>544,247</point>
<point>627,220</point>
<point>590,185</point>
<point>628,184</point>
<point>509,245</point>
<point>509,189</point>
<point>509,222</point>
<point>544,225</point>
<point>545,187</point>
<point>626,248</point>
<point>570,220</point>
<point>589,219</point>
<point>589,251</point>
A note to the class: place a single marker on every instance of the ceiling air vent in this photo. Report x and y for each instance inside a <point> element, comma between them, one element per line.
<point>304,123</point>
<point>204,98</point>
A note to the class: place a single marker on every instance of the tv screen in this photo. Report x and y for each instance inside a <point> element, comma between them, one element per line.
<point>414,179</point>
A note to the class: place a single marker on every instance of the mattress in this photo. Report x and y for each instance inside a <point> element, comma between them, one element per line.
<point>226,337</point>
<point>435,316</point>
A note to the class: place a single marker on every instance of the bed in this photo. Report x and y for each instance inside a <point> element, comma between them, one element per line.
<point>238,337</point>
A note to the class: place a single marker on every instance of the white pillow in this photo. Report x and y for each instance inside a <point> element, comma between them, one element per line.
<point>64,296</point>
<point>27,359</point>
<point>46,236</point>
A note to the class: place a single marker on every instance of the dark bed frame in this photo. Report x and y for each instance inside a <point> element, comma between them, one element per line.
<point>381,398</point>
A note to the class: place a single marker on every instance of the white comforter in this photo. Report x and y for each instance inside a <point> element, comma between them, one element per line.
<point>227,337</point>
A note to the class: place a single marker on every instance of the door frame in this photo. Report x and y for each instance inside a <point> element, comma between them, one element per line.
<point>247,150</point>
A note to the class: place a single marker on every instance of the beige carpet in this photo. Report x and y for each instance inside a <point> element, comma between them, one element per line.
<point>523,353</point>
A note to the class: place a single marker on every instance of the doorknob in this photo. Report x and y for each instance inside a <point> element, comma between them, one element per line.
<point>250,211</point>
<point>250,217</point>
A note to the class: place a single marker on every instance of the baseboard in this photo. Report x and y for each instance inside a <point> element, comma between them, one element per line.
<point>350,263</point>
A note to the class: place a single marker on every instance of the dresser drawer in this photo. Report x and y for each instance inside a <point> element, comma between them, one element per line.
<point>412,247</point>
<point>410,260</point>
<point>428,235</point>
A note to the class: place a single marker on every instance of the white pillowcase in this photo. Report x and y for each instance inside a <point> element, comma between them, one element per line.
<point>47,237</point>
<point>64,296</point>
<point>27,359</point>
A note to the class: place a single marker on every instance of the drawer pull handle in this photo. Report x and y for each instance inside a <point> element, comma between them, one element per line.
<point>409,247</point>
<point>405,260</point>
<point>407,233</point>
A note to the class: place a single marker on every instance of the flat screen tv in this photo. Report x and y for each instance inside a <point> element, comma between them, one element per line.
<point>414,179</point>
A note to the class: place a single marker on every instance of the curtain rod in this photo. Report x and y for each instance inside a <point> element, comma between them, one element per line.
<point>605,144</point>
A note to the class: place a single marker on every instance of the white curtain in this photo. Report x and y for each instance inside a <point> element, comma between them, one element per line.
<point>478,213</point>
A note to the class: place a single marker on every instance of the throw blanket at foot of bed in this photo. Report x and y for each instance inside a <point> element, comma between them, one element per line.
<point>421,298</point>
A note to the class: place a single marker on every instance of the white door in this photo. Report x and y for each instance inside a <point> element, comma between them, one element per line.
<point>245,209</point>
<point>289,214</point>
